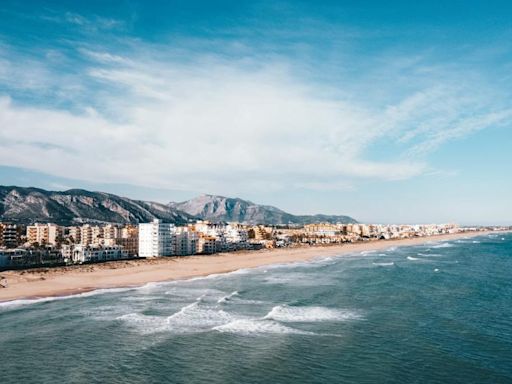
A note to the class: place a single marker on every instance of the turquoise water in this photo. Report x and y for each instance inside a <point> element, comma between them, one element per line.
<point>436,313</point>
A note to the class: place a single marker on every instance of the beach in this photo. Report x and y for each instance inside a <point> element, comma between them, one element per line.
<point>61,281</point>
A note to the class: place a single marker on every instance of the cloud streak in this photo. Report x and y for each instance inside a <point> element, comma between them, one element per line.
<point>223,125</point>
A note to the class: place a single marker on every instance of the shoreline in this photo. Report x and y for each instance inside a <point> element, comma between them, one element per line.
<point>74,280</point>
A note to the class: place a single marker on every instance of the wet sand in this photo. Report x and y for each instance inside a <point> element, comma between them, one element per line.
<point>69,280</point>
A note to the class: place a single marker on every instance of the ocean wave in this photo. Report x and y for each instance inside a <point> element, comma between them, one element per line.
<point>189,319</point>
<point>299,279</point>
<point>368,252</point>
<point>22,302</point>
<point>284,313</point>
<point>391,263</point>
<point>144,324</point>
<point>430,254</point>
<point>252,327</point>
<point>227,297</point>
<point>190,292</point>
<point>443,245</point>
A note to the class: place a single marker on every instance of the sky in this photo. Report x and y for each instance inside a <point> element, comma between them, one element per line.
<point>391,112</point>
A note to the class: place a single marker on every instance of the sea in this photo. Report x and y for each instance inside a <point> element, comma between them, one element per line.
<point>440,312</point>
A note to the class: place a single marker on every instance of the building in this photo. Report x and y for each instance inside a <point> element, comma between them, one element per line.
<point>96,253</point>
<point>156,239</point>
<point>25,258</point>
<point>44,234</point>
<point>10,235</point>
<point>91,234</point>
<point>110,234</point>
<point>129,240</point>
<point>207,245</point>
<point>75,235</point>
<point>185,242</point>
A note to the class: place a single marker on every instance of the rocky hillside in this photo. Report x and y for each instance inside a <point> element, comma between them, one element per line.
<point>27,205</point>
<point>75,206</point>
<point>219,208</point>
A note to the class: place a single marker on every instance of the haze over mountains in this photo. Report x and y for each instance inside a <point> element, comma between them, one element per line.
<point>75,206</point>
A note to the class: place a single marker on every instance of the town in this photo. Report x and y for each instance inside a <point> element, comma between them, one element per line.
<point>47,244</point>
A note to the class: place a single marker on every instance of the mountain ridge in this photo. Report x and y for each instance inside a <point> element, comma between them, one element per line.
<point>221,208</point>
<point>76,206</point>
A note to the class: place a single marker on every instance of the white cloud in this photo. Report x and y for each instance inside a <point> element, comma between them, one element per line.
<point>224,126</point>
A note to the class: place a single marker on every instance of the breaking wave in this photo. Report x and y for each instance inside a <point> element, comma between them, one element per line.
<point>285,313</point>
<point>227,297</point>
<point>443,245</point>
<point>251,327</point>
<point>384,264</point>
<point>21,302</point>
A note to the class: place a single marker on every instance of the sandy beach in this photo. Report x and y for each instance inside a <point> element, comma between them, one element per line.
<point>69,280</point>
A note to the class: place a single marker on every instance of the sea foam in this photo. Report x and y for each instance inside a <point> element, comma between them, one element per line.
<point>391,263</point>
<point>443,245</point>
<point>21,302</point>
<point>285,313</point>
<point>252,327</point>
<point>227,297</point>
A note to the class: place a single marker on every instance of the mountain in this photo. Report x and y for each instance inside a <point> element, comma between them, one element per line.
<point>75,206</point>
<point>219,208</point>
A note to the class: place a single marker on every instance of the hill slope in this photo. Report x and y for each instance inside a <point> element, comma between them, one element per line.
<point>75,206</point>
<point>219,208</point>
<point>27,205</point>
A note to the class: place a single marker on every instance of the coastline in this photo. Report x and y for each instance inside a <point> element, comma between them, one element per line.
<point>64,281</point>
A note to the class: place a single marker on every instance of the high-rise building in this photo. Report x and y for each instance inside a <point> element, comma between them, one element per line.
<point>185,242</point>
<point>91,234</point>
<point>44,234</point>
<point>156,239</point>
<point>10,235</point>
<point>129,239</point>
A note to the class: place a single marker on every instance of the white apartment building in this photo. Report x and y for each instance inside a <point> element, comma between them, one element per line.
<point>94,253</point>
<point>156,239</point>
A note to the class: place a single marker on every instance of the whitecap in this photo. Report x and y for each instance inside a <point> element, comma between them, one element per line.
<point>296,279</point>
<point>252,327</point>
<point>20,302</point>
<point>285,313</point>
<point>195,317</point>
<point>384,264</point>
<point>144,324</point>
<point>429,254</point>
<point>443,245</point>
<point>190,319</point>
<point>227,297</point>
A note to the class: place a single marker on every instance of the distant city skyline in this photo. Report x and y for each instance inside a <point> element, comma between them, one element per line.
<point>389,113</point>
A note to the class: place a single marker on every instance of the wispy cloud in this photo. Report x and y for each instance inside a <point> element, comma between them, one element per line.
<point>224,124</point>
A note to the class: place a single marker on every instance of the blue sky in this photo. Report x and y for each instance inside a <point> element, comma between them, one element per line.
<point>389,112</point>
